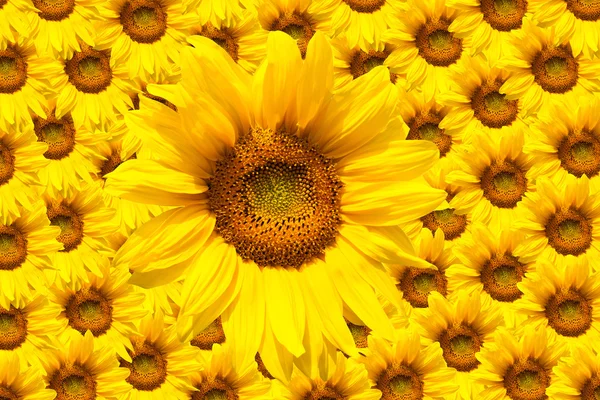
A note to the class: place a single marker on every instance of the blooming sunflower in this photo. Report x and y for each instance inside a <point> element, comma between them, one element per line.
<point>85,223</point>
<point>578,376</point>
<point>143,34</point>
<point>25,80</point>
<point>27,244</point>
<point>493,177</point>
<point>82,370</point>
<point>564,296</point>
<point>93,86</point>
<point>21,381</point>
<point>566,140</point>
<point>160,364</point>
<point>59,27</point>
<point>406,369</point>
<point>543,68</point>
<point>519,368</point>
<point>316,182</point>
<point>560,221</point>
<point>576,21</point>
<point>462,328</point>
<point>424,47</point>
<point>242,38</point>
<point>13,18</point>
<point>489,23</point>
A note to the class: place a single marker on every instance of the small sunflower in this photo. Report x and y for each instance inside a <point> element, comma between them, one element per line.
<point>21,381</point>
<point>544,68</point>
<point>406,369</point>
<point>81,370</point>
<point>519,368</point>
<point>424,47</point>
<point>13,19</point>
<point>27,244</point>
<point>160,364</point>
<point>462,327</point>
<point>560,222</point>
<point>578,375</point>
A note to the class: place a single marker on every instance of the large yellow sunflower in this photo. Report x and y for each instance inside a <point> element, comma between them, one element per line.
<point>560,221</point>
<point>519,368</point>
<point>21,381</point>
<point>27,244</point>
<point>543,67</point>
<point>578,375</point>
<point>286,193</point>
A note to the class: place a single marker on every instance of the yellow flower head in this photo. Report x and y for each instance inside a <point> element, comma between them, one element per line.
<point>578,375</point>
<point>21,381</point>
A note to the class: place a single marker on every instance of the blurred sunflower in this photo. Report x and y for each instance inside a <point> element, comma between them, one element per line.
<point>21,381</point>
<point>578,375</point>
<point>544,68</point>
<point>13,19</point>
<point>289,147</point>
<point>560,222</point>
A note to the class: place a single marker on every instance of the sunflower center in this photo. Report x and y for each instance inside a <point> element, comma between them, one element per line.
<point>425,126</point>
<point>144,21</point>
<point>585,10</point>
<point>223,37</point>
<point>555,69</point>
<point>215,389</point>
<point>262,368</point>
<point>437,45</point>
<point>591,388</point>
<point>73,382</point>
<point>569,232</point>
<point>7,164</point>
<point>148,367</point>
<point>453,225</point>
<point>54,10</point>
<point>89,70</point>
<point>210,335</point>
<point>360,334</point>
<point>70,223</point>
<point>13,328</point>
<point>13,70</point>
<point>88,309</point>
<point>504,15</point>
<point>569,313</point>
<point>298,26</point>
<point>491,107</point>
<point>363,62</point>
<point>6,393</point>
<point>399,382</point>
<point>365,6</point>
<point>526,380</point>
<point>112,162</point>
<point>276,199</point>
<point>13,248</point>
<point>503,184</point>
<point>500,276</point>
<point>321,391</point>
<point>579,154</point>
<point>459,345</point>
<point>417,283</point>
<point>58,134</point>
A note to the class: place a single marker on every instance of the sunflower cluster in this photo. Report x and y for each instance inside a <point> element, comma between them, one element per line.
<point>299,199</point>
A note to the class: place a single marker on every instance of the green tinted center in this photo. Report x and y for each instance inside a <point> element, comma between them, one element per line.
<point>583,152</point>
<point>440,39</point>
<point>401,385</point>
<point>144,16</point>
<point>216,394</point>
<point>295,31</point>
<point>506,275</point>
<point>556,66</point>
<point>569,309</point>
<point>373,62</point>
<point>462,344</point>
<point>495,102</point>
<point>8,323</point>
<point>569,229</point>
<point>90,310</point>
<point>74,385</point>
<point>424,283</point>
<point>145,364</point>
<point>529,380</point>
<point>505,7</point>
<point>8,66</point>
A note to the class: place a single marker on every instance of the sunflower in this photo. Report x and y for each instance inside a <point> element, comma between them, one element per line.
<point>21,158</point>
<point>462,327</point>
<point>424,48</point>
<point>566,140</point>
<point>576,21</point>
<point>13,19</point>
<point>94,88</point>
<point>21,381</point>
<point>143,34</point>
<point>27,244</point>
<point>25,80</point>
<point>59,27</point>
<point>160,364</point>
<point>564,296</point>
<point>315,172</point>
<point>544,68</point>
<point>519,368</point>
<point>85,224</point>
<point>82,370</point>
<point>578,375</point>
<point>493,178</point>
<point>241,37</point>
<point>486,265</point>
<point>491,24</point>
<point>406,369</point>
<point>560,222</point>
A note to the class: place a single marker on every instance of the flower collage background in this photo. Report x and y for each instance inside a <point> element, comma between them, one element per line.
<point>299,199</point>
